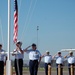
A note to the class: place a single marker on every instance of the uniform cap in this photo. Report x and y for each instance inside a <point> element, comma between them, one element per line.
<point>0,44</point>
<point>47,51</point>
<point>19,42</point>
<point>59,52</point>
<point>33,44</point>
<point>70,52</point>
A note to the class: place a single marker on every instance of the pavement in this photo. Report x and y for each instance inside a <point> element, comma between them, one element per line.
<point>42,73</point>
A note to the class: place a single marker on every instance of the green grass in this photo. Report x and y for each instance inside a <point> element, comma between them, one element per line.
<point>42,69</point>
<point>54,69</point>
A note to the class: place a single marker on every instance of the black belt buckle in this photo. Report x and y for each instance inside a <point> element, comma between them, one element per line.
<point>33,60</point>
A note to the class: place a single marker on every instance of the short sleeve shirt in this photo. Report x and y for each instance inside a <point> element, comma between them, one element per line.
<point>71,59</point>
<point>59,60</point>
<point>47,58</point>
<point>18,54</point>
<point>2,56</point>
<point>34,54</point>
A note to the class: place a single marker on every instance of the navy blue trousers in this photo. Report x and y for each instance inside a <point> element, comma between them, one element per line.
<point>1,68</point>
<point>61,69</point>
<point>18,63</point>
<point>33,67</point>
<point>46,68</point>
<point>69,68</point>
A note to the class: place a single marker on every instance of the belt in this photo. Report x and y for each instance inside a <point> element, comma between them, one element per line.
<point>33,60</point>
<point>48,63</point>
<point>71,63</point>
<point>18,59</point>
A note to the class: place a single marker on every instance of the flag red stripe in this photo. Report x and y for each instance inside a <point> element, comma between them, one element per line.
<point>15,22</point>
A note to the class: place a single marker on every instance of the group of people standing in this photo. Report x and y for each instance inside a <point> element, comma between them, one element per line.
<point>34,59</point>
<point>48,59</point>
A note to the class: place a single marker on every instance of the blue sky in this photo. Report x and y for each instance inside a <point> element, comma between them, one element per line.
<point>55,18</point>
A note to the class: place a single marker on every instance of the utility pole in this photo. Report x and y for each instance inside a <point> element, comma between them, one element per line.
<point>37,35</point>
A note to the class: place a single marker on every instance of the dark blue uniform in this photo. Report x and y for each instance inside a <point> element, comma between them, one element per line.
<point>18,62</point>
<point>47,60</point>
<point>34,56</point>
<point>2,56</point>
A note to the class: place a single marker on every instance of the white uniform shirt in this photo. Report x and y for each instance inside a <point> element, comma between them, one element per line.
<point>59,60</point>
<point>34,54</point>
<point>71,59</point>
<point>2,56</point>
<point>18,54</point>
<point>47,58</point>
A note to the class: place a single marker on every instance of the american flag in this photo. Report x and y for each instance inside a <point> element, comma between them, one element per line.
<point>15,21</point>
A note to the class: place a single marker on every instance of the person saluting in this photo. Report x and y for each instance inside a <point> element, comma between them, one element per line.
<point>47,60</point>
<point>18,62</point>
<point>34,58</point>
<point>59,61</point>
<point>71,61</point>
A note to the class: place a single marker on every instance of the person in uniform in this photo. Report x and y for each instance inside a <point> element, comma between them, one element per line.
<point>3,58</point>
<point>34,59</point>
<point>18,62</point>
<point>47,60</point>
<point>59,61</point>
<point>70,60</point>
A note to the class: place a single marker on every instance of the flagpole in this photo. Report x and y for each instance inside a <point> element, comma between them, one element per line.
<point>8,63</point>
<point>8,47</point>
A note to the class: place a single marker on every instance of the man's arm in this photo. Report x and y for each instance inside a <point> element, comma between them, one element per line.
<point>5,60</point>
<point>66,55</point>
<point>43,55</point>
<point>39,60</point>
<point>26,49</point>
<point>54,56</point>
<point>20,49</point>
<point>13,54</point>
